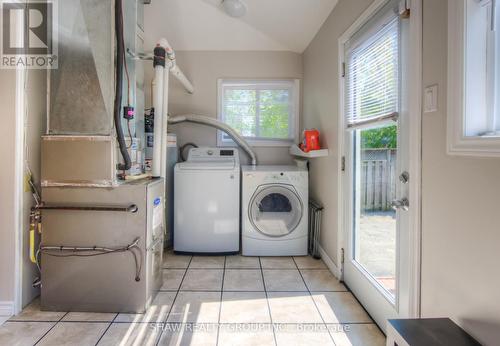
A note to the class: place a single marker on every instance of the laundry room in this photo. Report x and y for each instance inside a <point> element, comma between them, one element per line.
<point>249,172</point>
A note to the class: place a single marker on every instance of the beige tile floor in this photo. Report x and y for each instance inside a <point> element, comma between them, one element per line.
<point>231,300</point>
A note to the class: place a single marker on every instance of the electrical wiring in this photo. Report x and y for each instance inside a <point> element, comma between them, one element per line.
<point>57,251</point>
<point>126,68</point>
<point>129,134</point>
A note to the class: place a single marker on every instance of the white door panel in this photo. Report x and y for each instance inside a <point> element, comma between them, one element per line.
<point>375,182</point>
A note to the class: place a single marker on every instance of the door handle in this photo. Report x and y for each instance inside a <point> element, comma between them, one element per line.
<point>403,204</point>
<point>404,177</point>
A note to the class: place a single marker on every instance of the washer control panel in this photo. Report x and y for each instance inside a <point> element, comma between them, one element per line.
<point>205,154</point>
<point>279,177</point>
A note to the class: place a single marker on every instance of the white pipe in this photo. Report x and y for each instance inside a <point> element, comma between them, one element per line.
<point>176,71</point>
<point>158,120</point>
<point>164,129</point>
<point>204,120</point>
<point>162,42</point>
<point>162,65</point>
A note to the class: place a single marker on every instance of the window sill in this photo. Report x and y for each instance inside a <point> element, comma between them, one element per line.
<point>480,146</point>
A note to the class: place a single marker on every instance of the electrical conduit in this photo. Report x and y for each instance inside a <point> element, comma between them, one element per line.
<point>118,88</point>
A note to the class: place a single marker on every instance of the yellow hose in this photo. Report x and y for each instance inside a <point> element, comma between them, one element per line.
<point>32,243</point>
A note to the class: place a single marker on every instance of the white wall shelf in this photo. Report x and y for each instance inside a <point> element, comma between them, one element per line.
<point>296,151</point>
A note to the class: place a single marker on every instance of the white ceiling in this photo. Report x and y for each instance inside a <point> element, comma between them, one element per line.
<point>283,25</point>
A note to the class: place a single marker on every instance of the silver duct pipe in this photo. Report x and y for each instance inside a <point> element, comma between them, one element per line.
<point>204,120</point>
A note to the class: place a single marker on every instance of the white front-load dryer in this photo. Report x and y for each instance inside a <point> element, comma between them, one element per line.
<point>274,211</point>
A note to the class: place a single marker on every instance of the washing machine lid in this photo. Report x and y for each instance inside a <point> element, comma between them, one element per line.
<point>275,210</point>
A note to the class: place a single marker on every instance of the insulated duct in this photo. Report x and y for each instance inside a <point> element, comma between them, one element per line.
<point>204,120</point>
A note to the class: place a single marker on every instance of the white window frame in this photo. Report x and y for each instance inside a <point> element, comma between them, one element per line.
<point>457,142</point>
<point>262,142</point>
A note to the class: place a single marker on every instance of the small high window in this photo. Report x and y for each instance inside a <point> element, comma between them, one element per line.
<point>474,77</point>
<point>264,112</point>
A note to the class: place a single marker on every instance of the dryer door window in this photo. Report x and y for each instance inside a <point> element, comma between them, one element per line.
<point>275,210</point>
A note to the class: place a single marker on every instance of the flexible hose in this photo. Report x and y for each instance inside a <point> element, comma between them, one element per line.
<point>204,120</point>
<point>181,150</point>
<point>118,88</point>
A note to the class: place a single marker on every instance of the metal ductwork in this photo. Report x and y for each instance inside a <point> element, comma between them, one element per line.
<point>82,88</point>
<point>82,92</point>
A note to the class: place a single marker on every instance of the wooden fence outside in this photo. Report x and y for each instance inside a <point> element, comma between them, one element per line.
<point>378,179</point>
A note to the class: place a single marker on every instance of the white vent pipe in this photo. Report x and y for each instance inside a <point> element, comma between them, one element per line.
<point>164,125</point>
<point>164,63</point>
<point>158,123</point>
<point>176,71</point>
<point>204,120</point>
<point>172,66</point>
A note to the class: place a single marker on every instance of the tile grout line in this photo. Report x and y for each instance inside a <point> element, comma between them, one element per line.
<point>106,330</point>
<point>364,309</point>
<point>48,331</point>
<point>173,302</point>
<point>267,301</point>
<point>60,321</point>
<point>314,302</point>
<point>220,304</point>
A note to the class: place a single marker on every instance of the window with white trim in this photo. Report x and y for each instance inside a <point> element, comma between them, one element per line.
<point>474,77</point>
<point>264,112</point>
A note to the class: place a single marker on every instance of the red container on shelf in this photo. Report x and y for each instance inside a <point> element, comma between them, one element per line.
<point>310,141</point>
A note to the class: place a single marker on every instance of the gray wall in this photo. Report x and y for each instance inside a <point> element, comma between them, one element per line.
<point>203,68</point>
<point>460,233</point>
<point>34,126</point>
<point>7,203</point>
<point>36,98</point>
<point>320,111</point>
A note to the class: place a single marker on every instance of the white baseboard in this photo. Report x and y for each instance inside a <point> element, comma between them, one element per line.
<point>6,308</point>
<point>329,263</point>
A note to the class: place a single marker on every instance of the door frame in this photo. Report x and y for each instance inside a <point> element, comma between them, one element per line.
<point>415,146</point>
<point>19,153</point>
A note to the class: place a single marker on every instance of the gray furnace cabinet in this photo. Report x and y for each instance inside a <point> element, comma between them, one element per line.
<point>108,282</point>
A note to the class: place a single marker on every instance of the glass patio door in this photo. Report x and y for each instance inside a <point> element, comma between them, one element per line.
<point>376,222</point>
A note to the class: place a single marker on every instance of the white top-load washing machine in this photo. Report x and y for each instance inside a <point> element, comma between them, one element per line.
<point>274,210</point>
<point>207,202</point>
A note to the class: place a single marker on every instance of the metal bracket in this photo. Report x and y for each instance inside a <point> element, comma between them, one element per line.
<point>139,56</point>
